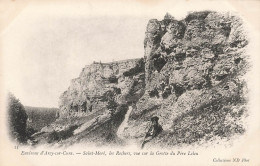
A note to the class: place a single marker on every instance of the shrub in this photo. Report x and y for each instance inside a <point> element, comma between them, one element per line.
<point>113,79</point>
<point>57,136</point>
<point>30,131</point>
<point>140,65</point>
<point>110,94</point>
<point>159,62</point>
<point>178,89</point>
<point>111,106</point>
<point>17,118</point>
<point>153,93</point>
<point>166,92</point>
<point>196,15</point>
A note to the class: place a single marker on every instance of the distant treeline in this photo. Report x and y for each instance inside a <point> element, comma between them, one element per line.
<point>38,117</point>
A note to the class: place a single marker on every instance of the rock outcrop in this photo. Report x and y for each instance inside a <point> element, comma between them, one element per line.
<point>191,77</point>
<point>102,86</point>
<point>191,65</point>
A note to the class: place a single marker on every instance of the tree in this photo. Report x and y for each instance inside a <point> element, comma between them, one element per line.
<point>17,119</point>
<point>111,106</point>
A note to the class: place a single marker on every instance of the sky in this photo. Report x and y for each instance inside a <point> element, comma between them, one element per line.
<point>48,44</point>
<point>44,52</point>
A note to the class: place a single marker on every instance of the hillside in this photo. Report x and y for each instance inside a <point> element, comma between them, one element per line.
<point>191,77</point>
<point>38,117</point>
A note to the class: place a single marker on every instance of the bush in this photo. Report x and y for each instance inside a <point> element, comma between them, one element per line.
<point>153,93</point>
<point>113,79</point>
<point>110,94</point>
<point>196,15</point>
<point>136,70</point>
<point>17,119</point>
<point>159,62</point>
<point>30,131</point>
<point>178,89</point>
<point>57,136</point>
<point>166,92</point>
<point>111,106</point>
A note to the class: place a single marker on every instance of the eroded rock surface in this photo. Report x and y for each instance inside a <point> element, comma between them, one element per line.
<point>191,77</point>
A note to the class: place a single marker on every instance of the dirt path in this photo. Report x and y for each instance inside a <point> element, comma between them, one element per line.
<point>124,124</point>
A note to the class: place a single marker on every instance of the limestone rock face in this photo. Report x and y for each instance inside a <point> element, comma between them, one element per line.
<point>191,74</point>
<point>192,64</point>
<point>98,84</point>
<point>151,41</point>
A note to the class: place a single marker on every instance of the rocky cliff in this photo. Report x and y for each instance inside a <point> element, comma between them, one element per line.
<point>191,77</point>
<point>101,84</point>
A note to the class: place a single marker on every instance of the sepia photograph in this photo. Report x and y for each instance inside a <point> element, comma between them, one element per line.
<point>111,79</point>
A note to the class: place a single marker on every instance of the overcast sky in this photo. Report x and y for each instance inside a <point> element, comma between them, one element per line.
<point>47,45</point>
<point>44,52</point>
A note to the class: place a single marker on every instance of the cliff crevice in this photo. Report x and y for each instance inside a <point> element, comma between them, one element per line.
<point>191,77</point>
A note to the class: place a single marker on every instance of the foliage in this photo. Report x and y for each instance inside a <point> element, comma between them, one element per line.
<point>196,15</point>
<point>159,62</point>
<point>61,135</point>
<point>110,94</point>
<point>166,92</point>
<point>112,79</point>
<point>17,118</point>
<point>40,117</point>
<point>112,105</point>
<point>30,131</point>
<point>153,93</point>
<point>135,70</point>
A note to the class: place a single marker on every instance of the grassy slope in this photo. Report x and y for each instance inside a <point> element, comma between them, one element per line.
<point>220,117</point>
<point>103,133</point>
